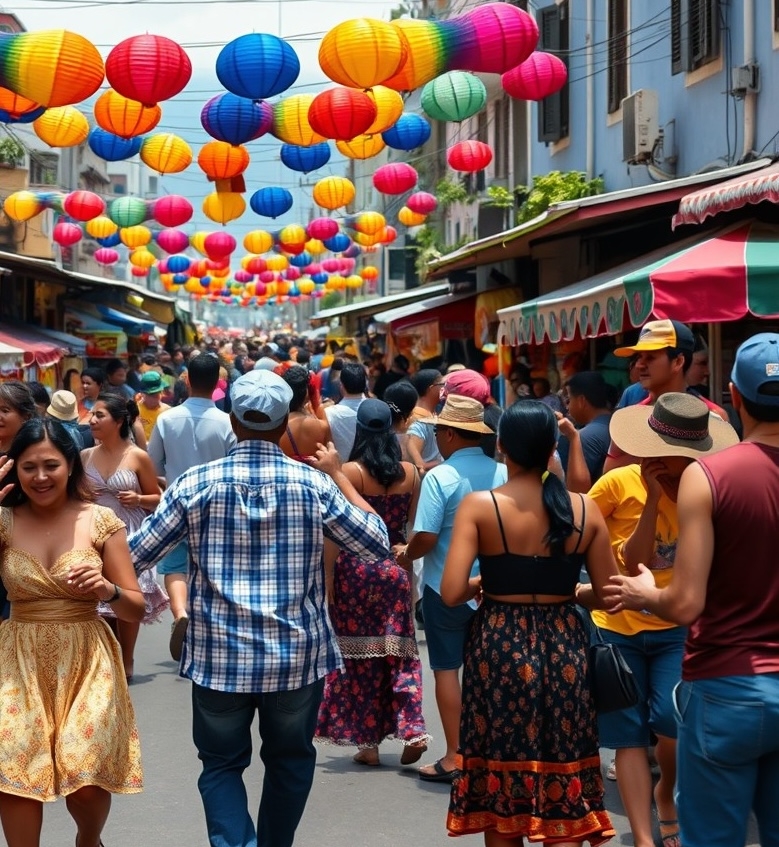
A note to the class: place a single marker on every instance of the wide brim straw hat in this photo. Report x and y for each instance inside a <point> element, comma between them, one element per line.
<point>676,425</point>
<point>460,412</point>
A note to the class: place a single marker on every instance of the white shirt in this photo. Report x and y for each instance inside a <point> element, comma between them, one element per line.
<point>343,424</point>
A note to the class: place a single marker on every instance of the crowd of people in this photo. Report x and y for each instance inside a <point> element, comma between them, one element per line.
<point>310,513</point>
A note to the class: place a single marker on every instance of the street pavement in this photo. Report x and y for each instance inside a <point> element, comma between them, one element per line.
<point>349,804</point>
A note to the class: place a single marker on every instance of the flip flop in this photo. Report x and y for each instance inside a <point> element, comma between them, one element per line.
<point>412,753</point>
<point>440,773</point>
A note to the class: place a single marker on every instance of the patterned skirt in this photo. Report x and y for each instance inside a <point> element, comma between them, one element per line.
<point>529,761</point>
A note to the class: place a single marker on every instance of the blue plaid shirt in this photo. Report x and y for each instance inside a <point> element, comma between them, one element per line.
<point>255,522</point>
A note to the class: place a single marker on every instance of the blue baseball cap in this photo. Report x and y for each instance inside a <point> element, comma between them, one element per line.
<point>757,365</point>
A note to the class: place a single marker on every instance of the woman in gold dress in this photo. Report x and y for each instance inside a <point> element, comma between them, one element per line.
<point>67,726</point>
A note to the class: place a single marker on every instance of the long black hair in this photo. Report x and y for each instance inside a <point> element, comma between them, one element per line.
<point>379,453</point>
<point>34,432</point>
<point>528,434</point>
<point>120,409</point>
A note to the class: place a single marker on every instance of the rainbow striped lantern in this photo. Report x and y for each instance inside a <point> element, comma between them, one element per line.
<point>290,121</point>
<point>51,67</point>
<point>257,66</point>
<point>428,47</point>
<point>22,205</point>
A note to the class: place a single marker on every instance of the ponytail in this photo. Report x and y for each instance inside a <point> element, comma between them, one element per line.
<point>557,504</point>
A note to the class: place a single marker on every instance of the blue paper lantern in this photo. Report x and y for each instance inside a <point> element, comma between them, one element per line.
<point>305,159</point>
<point>111,147</point>
<point>7,117</point>
<point>338,243</point>
<point>178,264</point>
<point>109,240</point>
<point>180,279</point>
<point>409,132</point>
<point>271,202</point>
<point>205,281</point>
<point>352,251</point>
<point>236,120</point>
<point>257,66</point>
<point>301,260</point>
<point>320,278</point>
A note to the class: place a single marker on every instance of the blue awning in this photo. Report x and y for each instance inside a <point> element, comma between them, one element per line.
<point>131,324</point>
<point>76,346</point>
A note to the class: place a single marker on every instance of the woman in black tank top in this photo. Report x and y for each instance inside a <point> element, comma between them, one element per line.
<point>528,732</point>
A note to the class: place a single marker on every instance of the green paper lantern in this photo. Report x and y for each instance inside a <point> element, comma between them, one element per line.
<point>454,96</point>
<point>128,211</point>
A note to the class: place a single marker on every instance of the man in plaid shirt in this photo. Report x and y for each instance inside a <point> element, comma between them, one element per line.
<point>259,638</point>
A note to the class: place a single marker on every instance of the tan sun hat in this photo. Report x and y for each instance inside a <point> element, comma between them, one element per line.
<point>63,406</point>
<point>677,425</point>
<point>460,413</point>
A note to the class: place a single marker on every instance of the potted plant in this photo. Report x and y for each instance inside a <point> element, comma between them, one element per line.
<point>11,153</point>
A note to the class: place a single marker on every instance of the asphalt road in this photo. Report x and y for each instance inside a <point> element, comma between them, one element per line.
<point>349,804</point>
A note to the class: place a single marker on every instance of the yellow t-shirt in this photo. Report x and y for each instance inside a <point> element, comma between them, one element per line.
<point>620,495</point>
<point>148,417</point>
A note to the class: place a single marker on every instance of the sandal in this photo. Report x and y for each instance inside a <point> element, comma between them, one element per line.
<point>670,839</point>
<point>413,753</point>
<point>440,774</point>
<point>368,756</point>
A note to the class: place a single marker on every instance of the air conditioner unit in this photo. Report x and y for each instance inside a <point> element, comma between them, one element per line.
<point>640,126</point>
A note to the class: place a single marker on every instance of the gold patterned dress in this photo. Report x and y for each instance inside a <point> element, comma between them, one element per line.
<point>66,718</point>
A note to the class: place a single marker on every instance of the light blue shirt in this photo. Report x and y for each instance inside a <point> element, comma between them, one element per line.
<point>442,491</point>
<point>426,432</point>
<point>191,434</point>
<point>343,424</point>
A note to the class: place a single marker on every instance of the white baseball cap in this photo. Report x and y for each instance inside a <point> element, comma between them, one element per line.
<point>262,392</point>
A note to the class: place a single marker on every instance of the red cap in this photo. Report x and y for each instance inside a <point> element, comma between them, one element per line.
<point>467,383</point>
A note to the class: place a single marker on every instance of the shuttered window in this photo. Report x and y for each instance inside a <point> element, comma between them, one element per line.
<point>553,111</point>
<point>618,53</point>
<point>695,33</point>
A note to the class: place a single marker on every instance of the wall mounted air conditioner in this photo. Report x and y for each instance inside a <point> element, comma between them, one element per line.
<point>640,126</point>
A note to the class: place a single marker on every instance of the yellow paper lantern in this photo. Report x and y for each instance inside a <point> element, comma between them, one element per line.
<point>223,207</point>
<point>101,227</point>
<point>409,218</point>
<point>22,205</point>
<point>135,236</point>
<point>166,153</point>
<point>220,273</point>
<point>362,52</point>
<point>258,241</point>
<point>142,258</point>
<point>193,286</point>
<point>198,242</point>
<point>361,147</point>
<point>333,192</point>
<point>354,281</point>
<point>365,239</point>
<point>389,107</point>
<point>63,126</point>
<point>306,286</point>
<point>277,263</point>
<point>369,223</point>
<point>292,235</point>
<point>290,121</point>
<point>315,247</point>
<point>124,117</point>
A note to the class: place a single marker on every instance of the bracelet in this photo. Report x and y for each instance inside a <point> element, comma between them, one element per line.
<point>139,499</point>
<point>116,595</point>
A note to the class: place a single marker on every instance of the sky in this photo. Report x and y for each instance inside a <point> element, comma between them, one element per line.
<point>202,28</point>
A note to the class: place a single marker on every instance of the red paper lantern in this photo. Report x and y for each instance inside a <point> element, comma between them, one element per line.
<point>537,77</point>
<point>322,228</point>
<point>136,271</point>
<point>256,265</point>
<point>422,203</point>
<point>66,234</point>
<point>148,68</point>
<point>83,205</point>
<point>172,210</point>
<point>341,113</point>
<point>388,234</point>
<point>395,178</point>
<point>469,156</point>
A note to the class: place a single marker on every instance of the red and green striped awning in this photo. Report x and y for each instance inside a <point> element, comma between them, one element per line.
<point>717,279</point>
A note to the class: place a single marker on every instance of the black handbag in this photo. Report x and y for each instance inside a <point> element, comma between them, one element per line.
<point>612,682</point>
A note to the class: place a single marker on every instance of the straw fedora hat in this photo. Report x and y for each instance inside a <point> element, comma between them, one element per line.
<point>63,406</point>
<point>677,425</point>
<point>460,413</point>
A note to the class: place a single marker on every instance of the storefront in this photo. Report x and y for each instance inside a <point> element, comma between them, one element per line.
<point>45,354</point>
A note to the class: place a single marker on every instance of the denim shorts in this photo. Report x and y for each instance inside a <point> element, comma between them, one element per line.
<point>655,657</point>
<point>177,561</point>
<point>446,628</point>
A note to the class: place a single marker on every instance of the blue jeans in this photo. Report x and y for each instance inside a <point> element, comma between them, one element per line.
<point>728,759</point>
<point>221,729</point>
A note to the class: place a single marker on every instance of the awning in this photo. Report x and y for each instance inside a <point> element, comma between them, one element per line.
<point>454,313</point>
<point>370,307</point>
<point>76,346</point>
<point>728,196</point>
<point>131,324</point>
<point>11,358</point>
<point>717,279</point>
<point>37,349</point>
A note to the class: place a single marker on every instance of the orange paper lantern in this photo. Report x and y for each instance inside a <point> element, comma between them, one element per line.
<point>124,117</point>
<point>223,207</point>
<point>333,192</point>
<point>220,160</point>
<point>362,52</point>
<point>361,147</point>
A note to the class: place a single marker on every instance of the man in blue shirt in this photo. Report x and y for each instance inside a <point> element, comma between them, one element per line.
<point>458,431</point>
<point>259,638</point>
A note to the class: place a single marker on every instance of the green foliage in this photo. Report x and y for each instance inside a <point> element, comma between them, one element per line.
<point>429,246</point>
<point>556,187</point>
<point>500,197</point>
<point>11,152</point>
<point>330,300</point>
<point>448,191</point>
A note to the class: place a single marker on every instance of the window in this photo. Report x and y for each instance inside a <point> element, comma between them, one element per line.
<point>776,15</point>
<point>695,33</point>
<point>618,54</point>
<point>43,168</point>
<point>553,110</point>
<point>501,147</point>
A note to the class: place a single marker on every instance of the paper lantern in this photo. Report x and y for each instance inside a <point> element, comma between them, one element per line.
<point>389,107</point>
<point>172,240</point>
<point>172,210</point>
<point>454,96</point>
<point>302,259</point>
<point>223,206</point>
<point>341,113</point>
<point>219,245</point>
<point>105,256</point>
<point>469,156</point>
<point>148,68</point>
<point>422,203</point>
<point>292,236</point>
<point>369,272</point>
<point>271,201</point>
<point>290,121</point>
<point>362,52</point>
<point>66,234</point>
<point>236,120</point>
<point>354,281</point>
<point>17,109</point>
<point>322,228</point>
<point>198,242</point>
<point>101,227</point>
<point>395,178</point>
<point>305,159</point>
<point>166,153</point>
<point>128,211</point>
<point>109,240</point>
<point>135,236</point>
<point>257,66</point>
<point>367,222</point>
<point>220,160</point>
<point>256,265</point>
<point>427,53</point>
<point>361,147</point>
<point>333,192</point>
<point>137,271</point>
<point>124,117</point>
<point>537,77</point>
<point>63,126</point>
<point>387,235</point>
<point>51,67</point>
<point>506,36</point>
<point>111,147</point>
<point>409,132</point>
<point>258,241</point>
<point>83,205</point>
<point>337,244</point>
<point>177,264</point>
<point>277,263</point>
<point>352,252</point>
<point>306,286</point>
<point>409,218</point>
<point>142,258</point>
<point>22,206</point>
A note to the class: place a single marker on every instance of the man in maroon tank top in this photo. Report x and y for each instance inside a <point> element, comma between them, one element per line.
<point>726,586</point>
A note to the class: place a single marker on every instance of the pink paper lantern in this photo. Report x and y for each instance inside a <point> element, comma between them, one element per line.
<point>219,245</point>
<point>172,210</point>
<point>172,240</point>
<point>162,267</point>
<point>66,234</point>
<point>322,228</point>
<point>422,203</point>
<point>243,276</point>
<point>395,178</point>
<point>106,256</point>
<point>218,264</point>
<point>267,276</point>
<point>506,35</point>
<point>537,77</point>
<point>260,289</point>
<point>331,265</point>
<point>292,273</point>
